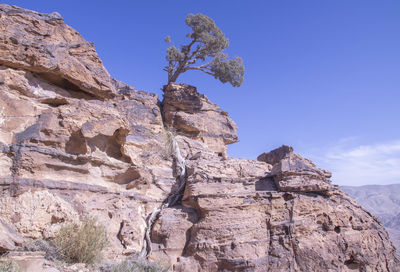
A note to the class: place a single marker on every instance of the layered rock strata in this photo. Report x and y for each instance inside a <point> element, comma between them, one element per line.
<point>67,151</point>
<point>193,115</point>
<point>76,143</point>
<point>43,44</point>
<point>236,218</point>
<point>291,172</point>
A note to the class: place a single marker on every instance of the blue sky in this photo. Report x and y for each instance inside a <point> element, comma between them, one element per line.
<point>322,76</point>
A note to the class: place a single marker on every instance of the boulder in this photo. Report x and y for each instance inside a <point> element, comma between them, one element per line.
<point>276,155</point>
<point>292,172</point>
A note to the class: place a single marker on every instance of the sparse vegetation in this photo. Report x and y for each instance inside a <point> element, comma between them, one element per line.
<point>168,135</point>
<point>9,267</point>
<point>205,52</point>
<point>43,245</point>
<point>81,243</point>
<point>136,265</point>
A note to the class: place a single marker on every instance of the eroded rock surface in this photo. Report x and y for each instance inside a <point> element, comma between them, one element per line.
<point>66,153</point>
<point>291,172</point>
<point>245,222</point>
<point>43,44</point>
<point>194,116</point>
<point>9,238</point>
<point>76,143</point>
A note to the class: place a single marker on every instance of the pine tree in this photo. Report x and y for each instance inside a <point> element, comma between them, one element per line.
<point>205,52</point>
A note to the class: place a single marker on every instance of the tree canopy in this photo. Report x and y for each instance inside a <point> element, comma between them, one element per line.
<point>204,52</point>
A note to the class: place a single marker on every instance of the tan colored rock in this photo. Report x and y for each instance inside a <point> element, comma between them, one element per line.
<point>26,261</point>
<point>194,116</point>
<point>40,212</point>
<point>67,153</point>
<point>246,223</point>
<point>169,235</point>
<point>292,172</point>
<point>275,156</point>
<point>65,156</point>
<point>29,84</point>
<point>50,269</point>
<point>9,239</point>
<point>78,148</point>
<point>43,44</point>
<point>32,213</point>
<point>72,138</point>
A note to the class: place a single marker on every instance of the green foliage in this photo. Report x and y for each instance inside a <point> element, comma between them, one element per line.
<point>81,243</point>
<point>9,267</point>
<point>136,265</point>
<point>206,46</point>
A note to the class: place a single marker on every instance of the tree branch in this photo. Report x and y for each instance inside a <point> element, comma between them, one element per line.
<point>200,68</point>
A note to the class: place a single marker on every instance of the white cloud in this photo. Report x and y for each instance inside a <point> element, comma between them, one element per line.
<point>361,165</point>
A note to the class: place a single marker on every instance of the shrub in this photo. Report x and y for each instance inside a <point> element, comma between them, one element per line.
<point>9,267</point>
<point>136,265</point>
<point>81,243</point>
<point>43,245</point>
<point>168,138</point>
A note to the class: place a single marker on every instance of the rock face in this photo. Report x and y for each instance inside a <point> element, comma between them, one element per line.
<point>194,116</point>
<point>43,44</point>
<point>9,239</point>
<point>291,172</point>
<point>76,143</point>
<point>383,201</point>
<point>237,219</point>
<point>65,152</point>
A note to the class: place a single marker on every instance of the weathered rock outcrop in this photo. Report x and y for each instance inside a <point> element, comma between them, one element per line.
<point>66,154</point>
<point>76,143</point>
<point>42,43</point>
<point>292,172</point>
<point>193,115</point>
<point>237,219</point>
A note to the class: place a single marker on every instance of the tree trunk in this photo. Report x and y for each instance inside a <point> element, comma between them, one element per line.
<point>174,76</point>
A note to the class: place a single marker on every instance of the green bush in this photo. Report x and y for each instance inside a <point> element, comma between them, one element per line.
<point>9,267</point>
<point>81,243</point>
<point>204,52</point>
<point>136,265</point>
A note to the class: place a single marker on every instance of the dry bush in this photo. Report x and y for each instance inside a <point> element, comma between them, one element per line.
<point>136,265</point>
<point>169,134</point>
<point>43,245</point>
<point>9,267</point>
<point>81,243</point>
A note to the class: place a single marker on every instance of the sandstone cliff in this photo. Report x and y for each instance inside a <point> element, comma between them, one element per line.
<point>75,142</point>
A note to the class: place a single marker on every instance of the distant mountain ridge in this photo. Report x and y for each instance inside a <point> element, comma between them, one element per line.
<point>383,201</point>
